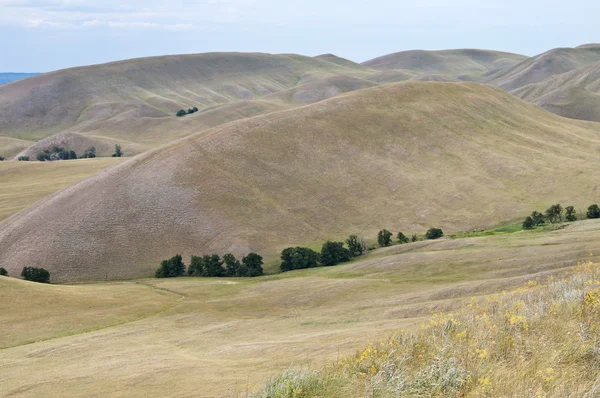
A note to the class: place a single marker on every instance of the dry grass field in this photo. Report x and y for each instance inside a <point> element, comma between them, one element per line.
<point>24,183</point>
<point>405,156</point>
<point>220,337</point>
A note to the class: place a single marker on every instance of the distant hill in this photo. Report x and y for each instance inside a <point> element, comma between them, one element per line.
<point>403,156</point>
<point>574,94</point>
<point>467,64</point>
<point>12,77</point>
<point>135,101</point>
<point>544,66</point>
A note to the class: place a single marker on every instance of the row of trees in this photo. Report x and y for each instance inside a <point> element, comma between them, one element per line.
<point>182,112</point>
<point>384,237</point>
<point>60,153</point>
<point>31,274</point>
<point>212,266</point>
<point>554,214</point>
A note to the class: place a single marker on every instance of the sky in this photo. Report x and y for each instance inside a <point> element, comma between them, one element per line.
<point>45,35</point>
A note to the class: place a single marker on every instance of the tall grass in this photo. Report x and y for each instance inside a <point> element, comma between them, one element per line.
<point>542,340</point>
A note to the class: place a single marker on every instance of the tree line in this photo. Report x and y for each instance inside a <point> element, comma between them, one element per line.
<point>59,153</point>
<point>554,214</point>
<point>182,112</point>
<point>212,266</point>
<point>31,274</point>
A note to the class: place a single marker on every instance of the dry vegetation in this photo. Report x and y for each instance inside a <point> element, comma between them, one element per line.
<point>227,336</point>
<point>406,156</point>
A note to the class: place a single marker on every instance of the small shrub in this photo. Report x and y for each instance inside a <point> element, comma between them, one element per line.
<point>593,211</point>
<point>384,238</point>
<point>171,268</point>
<point>434,233</point>
<point>528,223</point>
<point>298,258</point>
<point>3,272</point>
<point>23,158</point>
<point>356,245</point>
<point>33,274</point>
<point>402,238</point>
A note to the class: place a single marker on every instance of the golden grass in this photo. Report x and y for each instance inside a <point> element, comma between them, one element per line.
<point>24,183</point>
<point>227,336</point>
<point>407,156</point>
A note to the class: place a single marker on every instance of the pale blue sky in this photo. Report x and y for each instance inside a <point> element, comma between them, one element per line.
<point>44,35</point>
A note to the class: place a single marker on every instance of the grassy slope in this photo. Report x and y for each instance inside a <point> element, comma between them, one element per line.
<point>544,66</point>
<point>466,63</point>
<point>232,334</point>
<point>24,183</point>
<point>405,157</point>
<point>131,100</point>
<point>574,94</point>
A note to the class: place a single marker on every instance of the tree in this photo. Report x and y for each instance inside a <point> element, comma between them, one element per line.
<point>554,213</point>
<point>118,153</point>
<point>89,153</point>
<point>356,245</point>
<point>181,113</point>
<point>251,265</point>
<point>23,158</point>
<point>402,238</point>
<point>2,158</point>
<point>298,258</point>
<point>384,238</point>
<point>529,223</point>
<point>538,218</point>
<point>434,233</point>
<point>414,238</point>
<point>213,266</point>
<point>570,214</point>
<point>232,265</point>
<point>333,253</point>
<point>593,211</point>
<point>43,156</point>
<point>171,268</point>
<point>196,267</point>
<point>3,272</point>
<point>35,274</point>
<point>72,155</point>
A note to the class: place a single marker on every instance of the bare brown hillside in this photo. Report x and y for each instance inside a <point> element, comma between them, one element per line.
<point>406,156</point>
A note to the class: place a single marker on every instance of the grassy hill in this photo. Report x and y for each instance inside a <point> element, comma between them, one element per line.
<point>574,94</point>
<point>232,334</point>
<point>406,156</point>
<point>468,64</point>
<point>124,100</point>
<point>545,66</point>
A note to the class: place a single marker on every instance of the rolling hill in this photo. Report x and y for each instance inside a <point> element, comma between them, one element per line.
<point>466,64</point>
<point>574,94</point>
<point>135,101</point>
<point>545,66</point>
<point>404,156</point>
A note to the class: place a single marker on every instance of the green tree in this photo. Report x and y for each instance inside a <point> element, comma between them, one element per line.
<point>181,113</point>
<point>89,153</point>
<point>414,238</point>
<point>232,265</point>
<point>434,233</point>
<point>3,272</point>
<point>356,245</point>
<point>554,213</point>
<point>333,253</point>
<point>43,156</point>
<point>213,266</point>
<point>35,274</point>
<point>171,268</point>
<point>196,267</point>
<point>2,158</point>
<point>402,238</point>
<point>593,211</point>
<point>538,218</point>
<point>23,158</point>
<point>72,155</point>
<point>298,258</point>
<point>529,223</point>
<point>384,238</point>
<point>570,214</point>
<point>118,152</point>
<point>251,265</point>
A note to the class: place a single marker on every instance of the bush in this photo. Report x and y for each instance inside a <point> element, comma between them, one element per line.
<point>171,268</point>
<point>298,258</point>
<point>23,158</point>
<point>35,274</point>
<point>252,265</point>
<point>181,113</point>
<point>89,153</point>
<point>2,158</point>
<point>414,238</point>
<point>384,238</point>
<point>3,272</point>
<point>356,246</point>
<point>402,238</point>
<point>593,211</point>
<point>529,223</point>
<point>118,152</point>
<point>333,253</point>
<point>434,233</point>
